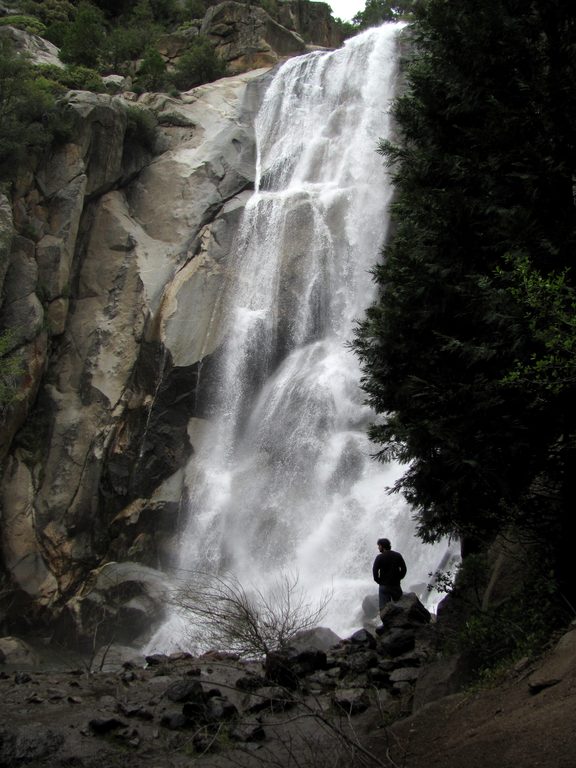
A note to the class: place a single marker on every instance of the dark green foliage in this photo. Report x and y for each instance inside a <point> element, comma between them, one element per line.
<point>195,9</point>
<point>10,369</point>
<point>141,128</point>
<point>152,73</point>
<point>27,112</point>
<point>200,64</point>
<point>27,23</point>
<point>470,349</point>
<point>377,11</point>
<point>125,44</point>
<point>518,625</point>
<point>59,80</point>
<point>84,37</point>
<point>50,11</point>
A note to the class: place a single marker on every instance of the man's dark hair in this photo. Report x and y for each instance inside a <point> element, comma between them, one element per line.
<point>385,543</point>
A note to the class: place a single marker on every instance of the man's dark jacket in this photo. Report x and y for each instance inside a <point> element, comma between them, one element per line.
<point>389,569</point>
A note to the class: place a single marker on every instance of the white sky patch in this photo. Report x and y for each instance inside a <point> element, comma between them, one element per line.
<point>346,9</point>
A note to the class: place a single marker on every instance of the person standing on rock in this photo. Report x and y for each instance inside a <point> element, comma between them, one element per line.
<point>388,570</point>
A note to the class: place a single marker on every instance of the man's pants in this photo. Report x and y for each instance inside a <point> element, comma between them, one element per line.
<point>387,595</point>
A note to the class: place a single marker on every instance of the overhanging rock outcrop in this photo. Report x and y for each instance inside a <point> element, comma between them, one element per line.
<point>121,268</point>
<point>246,37</point>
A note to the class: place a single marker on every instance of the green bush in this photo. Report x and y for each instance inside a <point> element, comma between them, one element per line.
<point>84,37</point>
<point>28,23</point>
<point>23,107</point>
<point>195,9</point>
<point>152,72</point>
<point>141,128</point>
<point>125,44</point>
<point>83,79</point>
<point>50,11</point>
<point>520,625</point>
<point>200,64</point>
<point>75,78</point>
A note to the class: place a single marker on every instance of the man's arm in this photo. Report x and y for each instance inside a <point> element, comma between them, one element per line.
<point>376,569</point>
<point>402,567</point>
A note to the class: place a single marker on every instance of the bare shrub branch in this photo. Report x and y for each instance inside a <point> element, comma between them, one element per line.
<point>224,615</point>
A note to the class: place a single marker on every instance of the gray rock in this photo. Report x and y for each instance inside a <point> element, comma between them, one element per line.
<point>269,698</point>
<point>441,678</point>
<point>147,260</point>
<point>39,51</point>
<point>404,675</point>
<point>175,721</point>
<point>244,46</point>
<point>16,652</point>
<point>398,641</point>
<point>247,732</point>
<point>361,662</point>
<point>405,612</point>
<point>363,637</point>
<point>104,725</point>
<point>220,709</point>
<point>185,690</point>
<point>28,744</point>
<point>319,638</point>
<point>352,701</point>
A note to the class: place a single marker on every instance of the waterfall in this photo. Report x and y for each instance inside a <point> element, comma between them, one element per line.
<point>283,477</point>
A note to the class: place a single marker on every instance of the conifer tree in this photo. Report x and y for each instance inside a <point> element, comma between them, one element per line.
<point>470,349</point>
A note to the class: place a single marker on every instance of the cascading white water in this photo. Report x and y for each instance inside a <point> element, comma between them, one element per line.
<point>284,478</point>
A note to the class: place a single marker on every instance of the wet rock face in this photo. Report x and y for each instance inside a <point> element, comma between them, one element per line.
<point>111,295</point>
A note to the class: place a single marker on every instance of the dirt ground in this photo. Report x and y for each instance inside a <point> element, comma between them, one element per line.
<point>527,721</point>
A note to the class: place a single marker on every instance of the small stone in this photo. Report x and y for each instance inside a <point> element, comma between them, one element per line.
<point>35,699</point>
<point>247,732</point>
<point>352,700</point>
<point>175,721</point>
<point>101,726</point>
<point>535,686</point>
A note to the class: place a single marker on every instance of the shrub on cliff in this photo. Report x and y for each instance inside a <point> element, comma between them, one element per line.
<point>141,128</point>
<point>28,23</point>
<point>200,64</point>
<point>152,73</point>
<point>10,369</point>
<point>84,37</point>
<point>79,78</point>
<point>25,111</point>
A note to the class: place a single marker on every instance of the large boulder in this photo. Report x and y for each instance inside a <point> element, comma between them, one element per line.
<point>38,50</point>
<point>408,611</point>
<point>312,20</point>
<point>16,652</point>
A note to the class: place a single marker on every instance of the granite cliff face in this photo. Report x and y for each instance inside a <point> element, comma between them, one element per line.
<point>114,260</point>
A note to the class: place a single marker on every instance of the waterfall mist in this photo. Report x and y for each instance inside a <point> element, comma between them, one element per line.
<point>283,479</point>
